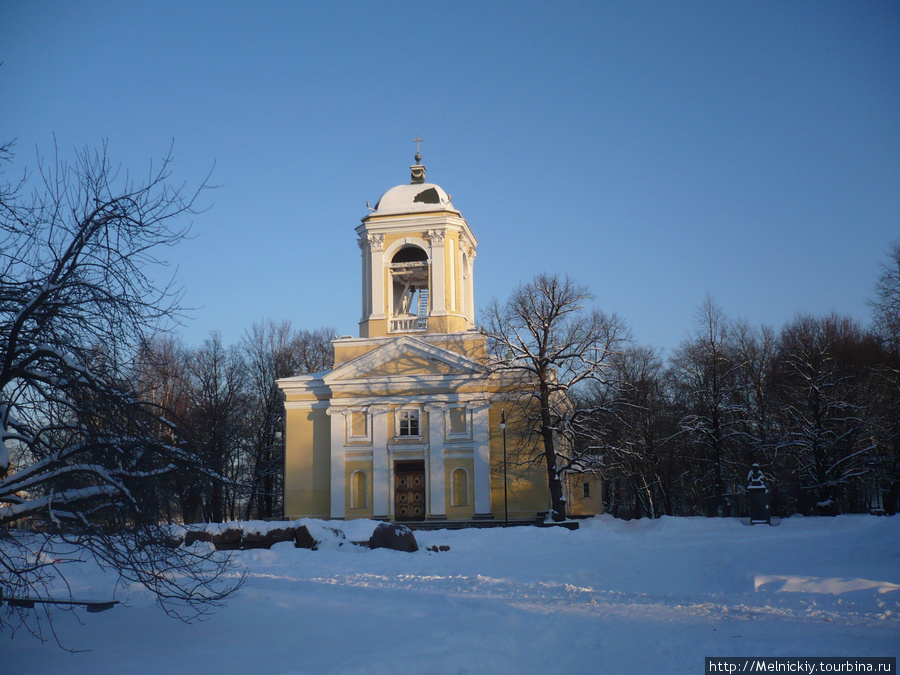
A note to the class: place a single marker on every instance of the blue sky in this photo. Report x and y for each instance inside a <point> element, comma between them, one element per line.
<point>655,151</point>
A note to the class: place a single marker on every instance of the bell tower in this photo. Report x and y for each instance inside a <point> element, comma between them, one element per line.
<point>418,256</point>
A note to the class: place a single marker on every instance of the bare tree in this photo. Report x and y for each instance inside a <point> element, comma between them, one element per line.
<point>216,421</point>
<point>162,380</point>
<point>825,401</point>
<point>546,335</point>
<point>313,351</point>
<point>754,352</point>
<point>267,351</point>
<point>705,368</point>
<point>886,304</point>
<point>80,449</point>
<point>636,420</point>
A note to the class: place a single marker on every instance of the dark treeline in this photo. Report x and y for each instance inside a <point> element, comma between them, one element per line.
<point>224,405</point>
<point>816,405</point>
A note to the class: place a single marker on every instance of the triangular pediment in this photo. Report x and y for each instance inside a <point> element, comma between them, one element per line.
<point>406,357</point>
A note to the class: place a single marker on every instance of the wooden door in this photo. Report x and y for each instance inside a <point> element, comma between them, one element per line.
<point>409,490</point>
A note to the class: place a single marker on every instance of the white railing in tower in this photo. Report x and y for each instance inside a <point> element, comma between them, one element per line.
<point>411,324</point>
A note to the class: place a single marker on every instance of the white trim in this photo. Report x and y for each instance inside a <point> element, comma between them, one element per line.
<point>412,446</point>
<point>415,222</point>
<point>357,389</point>
<point>307,405</point>
<point>476,398</point>
<point>381,471</point>
<point>391,250</point>
<point>437,289</point>
<point>376,269</point>
<point>338,505</point>
<point>366,278</point>
<point>472,292</point>
<point>407,454</point>
<point>435,461</point>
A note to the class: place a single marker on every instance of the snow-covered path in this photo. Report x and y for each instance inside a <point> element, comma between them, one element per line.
<point>613,597</point>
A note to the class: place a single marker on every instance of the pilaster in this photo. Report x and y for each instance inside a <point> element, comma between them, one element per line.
<point>381,474</point>
<point>338,430</point>
<point>438,293</point>
<point>376,267</point>
<point>436,487</point>
<point>482,458</point>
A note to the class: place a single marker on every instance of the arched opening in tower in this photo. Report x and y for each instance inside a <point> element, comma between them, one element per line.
<point>409,278</point>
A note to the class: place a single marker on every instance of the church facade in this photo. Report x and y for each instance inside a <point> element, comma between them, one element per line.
<point>407,424</point>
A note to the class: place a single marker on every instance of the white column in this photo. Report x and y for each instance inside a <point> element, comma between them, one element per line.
<point>376,246</point>
<point>338,430</point>
<point>366,278</point>
<point>470,291</point>
<point>381,475</point>
<point>438,291</point>
<point>436,488</point>
<point>482,455</point>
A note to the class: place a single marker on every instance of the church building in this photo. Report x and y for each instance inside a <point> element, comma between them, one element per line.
<point>407,424</point>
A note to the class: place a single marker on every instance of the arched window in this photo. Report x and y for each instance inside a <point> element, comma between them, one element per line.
<point>460,484</point>
<point>359,490</point>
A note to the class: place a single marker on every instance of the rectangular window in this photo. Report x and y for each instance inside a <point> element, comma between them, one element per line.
<point>458,419</point>
<point>409,423</point>
<point>587,491</point>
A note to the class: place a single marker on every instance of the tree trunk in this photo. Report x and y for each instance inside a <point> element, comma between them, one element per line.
<point>557,495</point>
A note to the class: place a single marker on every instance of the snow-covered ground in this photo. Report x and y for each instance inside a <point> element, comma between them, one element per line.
<point>613,597</point>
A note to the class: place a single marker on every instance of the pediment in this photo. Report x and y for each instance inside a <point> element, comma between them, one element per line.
<point>405,357</point>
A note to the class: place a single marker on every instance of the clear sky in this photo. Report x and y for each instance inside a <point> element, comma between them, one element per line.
<point>655,151</point>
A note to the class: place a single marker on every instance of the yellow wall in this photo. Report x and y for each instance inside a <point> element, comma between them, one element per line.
<point>308,464</point>
<point>526,482</point>
<point>466,512</point>
<point>577,505</point>
<point>308,472</point>
<point>362,511</point>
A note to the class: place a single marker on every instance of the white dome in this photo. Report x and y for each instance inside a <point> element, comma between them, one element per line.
<point>413,198</point>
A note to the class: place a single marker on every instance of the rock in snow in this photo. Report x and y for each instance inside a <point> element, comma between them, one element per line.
<point>395,537</point>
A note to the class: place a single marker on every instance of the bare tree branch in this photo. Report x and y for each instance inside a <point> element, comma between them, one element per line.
<point>83,450</point>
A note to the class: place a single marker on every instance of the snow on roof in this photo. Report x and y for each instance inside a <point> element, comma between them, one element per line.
<point>413,198</point>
